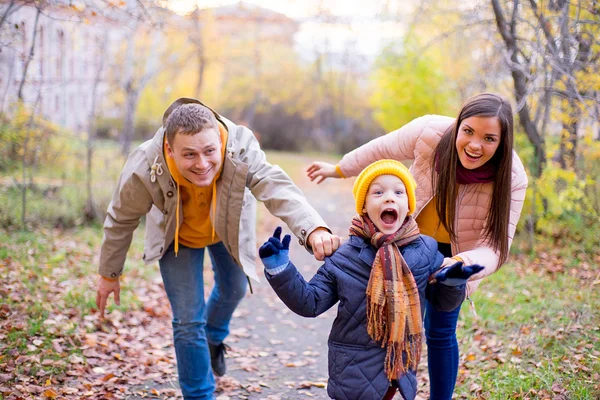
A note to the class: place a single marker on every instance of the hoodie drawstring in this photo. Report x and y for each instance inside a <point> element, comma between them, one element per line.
<point>214,208</point>
<point>177,224</point>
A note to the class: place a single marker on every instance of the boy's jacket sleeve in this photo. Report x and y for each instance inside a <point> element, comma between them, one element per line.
<point>307,299</point>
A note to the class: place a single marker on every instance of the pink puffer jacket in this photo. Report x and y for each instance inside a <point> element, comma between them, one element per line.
<point>416,141</point>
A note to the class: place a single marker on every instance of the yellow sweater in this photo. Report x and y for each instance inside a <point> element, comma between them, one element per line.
<point>196,230</point>
<point>429,223</point>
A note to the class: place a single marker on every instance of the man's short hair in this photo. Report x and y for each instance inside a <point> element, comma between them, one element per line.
<point>189,119</point>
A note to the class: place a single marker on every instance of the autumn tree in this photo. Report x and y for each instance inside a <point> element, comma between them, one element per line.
<point>552,51</point>
<point>151,46</point>
<point>443,57</point>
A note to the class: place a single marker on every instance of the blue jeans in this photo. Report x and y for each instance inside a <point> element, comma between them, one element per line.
<point>442,346</point>
<point>196,323</point>
<point>442,351</point>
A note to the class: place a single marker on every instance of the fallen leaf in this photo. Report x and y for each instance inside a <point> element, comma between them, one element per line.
<point>50,393</point>
<point>107,377</point>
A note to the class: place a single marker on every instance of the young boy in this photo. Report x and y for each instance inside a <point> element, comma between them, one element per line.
<point>379,277</point>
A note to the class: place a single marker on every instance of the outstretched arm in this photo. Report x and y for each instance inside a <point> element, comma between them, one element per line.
<point>131,200</point>
<point>307,299</point>
<point>446,288</point>
<point>271,185</point>
<point>397,145</point>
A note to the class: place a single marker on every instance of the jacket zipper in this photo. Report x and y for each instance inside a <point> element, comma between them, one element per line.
<point>226,229</point>
<point>461,191</point>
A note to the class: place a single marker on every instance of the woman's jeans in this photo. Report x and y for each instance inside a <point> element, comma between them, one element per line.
<point>196,322</point>
<point>442,346</point>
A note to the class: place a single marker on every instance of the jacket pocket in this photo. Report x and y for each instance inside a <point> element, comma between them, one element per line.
<point>357,367</point>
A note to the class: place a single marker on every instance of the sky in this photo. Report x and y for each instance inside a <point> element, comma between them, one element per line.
<point>302,8</point>
<point>364,27</point>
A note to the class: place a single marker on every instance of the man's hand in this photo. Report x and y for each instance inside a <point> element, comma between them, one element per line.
<point>275,252</point>
<point>322,171</point>
<point>105,288</point>
<point>456,274</point>
<point>323,243</point>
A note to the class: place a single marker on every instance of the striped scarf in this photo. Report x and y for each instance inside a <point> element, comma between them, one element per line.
<point>393,305</point>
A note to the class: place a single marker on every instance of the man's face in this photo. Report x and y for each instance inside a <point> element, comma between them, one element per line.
<point>386,203</point>
<point>198,156</point>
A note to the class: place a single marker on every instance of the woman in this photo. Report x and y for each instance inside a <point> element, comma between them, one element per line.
<point>470,191</point>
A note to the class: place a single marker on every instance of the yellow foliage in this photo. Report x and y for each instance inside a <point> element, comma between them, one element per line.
<point>27,137</point>
<point>566,205</point>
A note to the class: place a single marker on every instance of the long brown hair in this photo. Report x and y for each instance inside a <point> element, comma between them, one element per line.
<point>444,179</point>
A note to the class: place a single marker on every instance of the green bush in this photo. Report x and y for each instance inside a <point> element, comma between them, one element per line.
<point>566,203</point>
<point>60,207</point>
<point>111,128</point>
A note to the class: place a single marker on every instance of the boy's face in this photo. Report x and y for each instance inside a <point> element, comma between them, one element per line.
<point>198,156</point>
<point>386,203</point>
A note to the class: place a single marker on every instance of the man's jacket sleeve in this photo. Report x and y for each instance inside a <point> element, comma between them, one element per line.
<point>131,200</point>
<point>271,185</point>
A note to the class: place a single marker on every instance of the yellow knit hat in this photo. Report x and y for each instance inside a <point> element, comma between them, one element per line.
<point>378,168</point>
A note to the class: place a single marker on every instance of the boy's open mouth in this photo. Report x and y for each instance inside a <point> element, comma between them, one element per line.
<point>389,216</point>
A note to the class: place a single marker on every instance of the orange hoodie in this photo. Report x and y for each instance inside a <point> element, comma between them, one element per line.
<point>196,230</point>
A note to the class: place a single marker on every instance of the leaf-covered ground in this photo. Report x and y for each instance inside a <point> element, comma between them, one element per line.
<point>536,334</point>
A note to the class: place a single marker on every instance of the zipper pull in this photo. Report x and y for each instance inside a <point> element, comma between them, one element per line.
<point>472,306</point>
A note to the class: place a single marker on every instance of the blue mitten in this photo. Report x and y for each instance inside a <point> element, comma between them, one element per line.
<point>457,274</point>
<point>274,254</point>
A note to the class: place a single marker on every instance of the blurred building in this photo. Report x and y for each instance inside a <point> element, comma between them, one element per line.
<point>69,47</point>
<point>73,39</point>
<point>243,22</point>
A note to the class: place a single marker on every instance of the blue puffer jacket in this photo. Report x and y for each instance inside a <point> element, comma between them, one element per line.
<point>356,362</point>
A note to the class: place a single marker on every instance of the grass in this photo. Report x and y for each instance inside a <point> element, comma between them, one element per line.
<point>61,184</point>
<point>48,285</point>
<point>537,333</point>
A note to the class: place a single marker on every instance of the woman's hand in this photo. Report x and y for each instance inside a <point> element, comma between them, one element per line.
<point>321,170</point>
<point>456,274</point>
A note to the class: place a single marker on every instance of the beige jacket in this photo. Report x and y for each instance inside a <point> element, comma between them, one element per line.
<point>245,177</point>
<point>416,141</point>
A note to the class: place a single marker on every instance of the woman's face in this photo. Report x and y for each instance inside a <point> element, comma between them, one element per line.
<point>477,140</point>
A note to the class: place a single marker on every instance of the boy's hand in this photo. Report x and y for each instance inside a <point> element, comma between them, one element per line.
<point>275,253</point>
<point>456,274</point>
<point>323,243</point>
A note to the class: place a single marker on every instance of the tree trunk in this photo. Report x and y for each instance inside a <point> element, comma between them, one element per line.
<point>131,101</point>
<point>24,183</point>
<point>130,93</point>
<point>257,73</point>
<point>508,32</point>
<point>198,41</point>
<point>567,158</point>
<point>201,67</point>
<point>90,209</point>
<point>24,163</point>
<point>30,56</point>
<point>9,10</point>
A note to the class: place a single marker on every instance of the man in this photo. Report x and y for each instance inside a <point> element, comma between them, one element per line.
<point>196,181</point>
